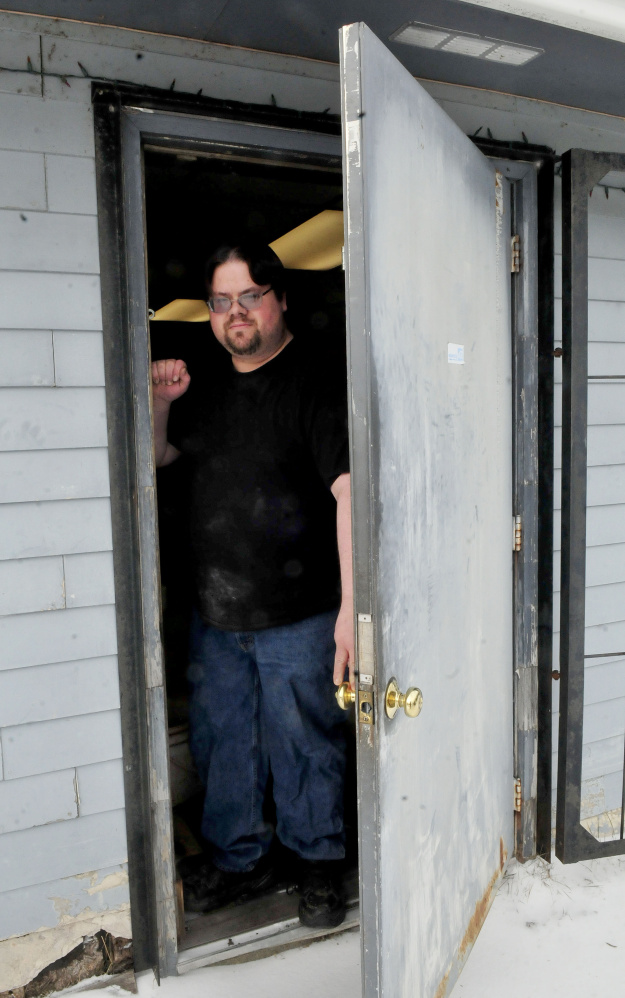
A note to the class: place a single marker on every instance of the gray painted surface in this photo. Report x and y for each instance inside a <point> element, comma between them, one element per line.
<point>37,638</point>
<point>22,180</point>
<point>70,184</point>
<point>36,584</point>
<point>51,418</point>
<point>72,526</point>
<point>46,746</point>
<point>604,680</point>
<point>100,787</point>
<point>441,501</point>
<point>52,474</point>
<point>46,241</point>
<point>39,904</point>
<point>62,849</point>
<point>89,579</point>
<point>64,689</point>
<point>78,359</point>
<point>27,358</point>
<point>37,800</point>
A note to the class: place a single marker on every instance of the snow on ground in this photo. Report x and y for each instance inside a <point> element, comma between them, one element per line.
<point>553,932</point>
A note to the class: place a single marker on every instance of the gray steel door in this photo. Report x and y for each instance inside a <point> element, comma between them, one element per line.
<point>427,242</point>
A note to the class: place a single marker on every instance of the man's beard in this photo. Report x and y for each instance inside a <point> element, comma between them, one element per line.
<point>243,351</point>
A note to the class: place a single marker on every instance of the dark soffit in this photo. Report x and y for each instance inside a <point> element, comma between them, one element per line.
<point>576,69</point>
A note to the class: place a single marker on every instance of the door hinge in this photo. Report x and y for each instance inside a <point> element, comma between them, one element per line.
<point>515,256</point>
<point>518,794</point>
<point>517,533</point>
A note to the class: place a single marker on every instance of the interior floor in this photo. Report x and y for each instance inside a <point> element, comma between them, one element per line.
<point>193,204</point>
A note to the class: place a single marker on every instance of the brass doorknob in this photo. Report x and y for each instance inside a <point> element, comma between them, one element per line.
<point>344,696</point>
<point>394,700</point>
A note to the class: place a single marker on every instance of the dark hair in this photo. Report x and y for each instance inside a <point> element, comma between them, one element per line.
<point>264,265</point>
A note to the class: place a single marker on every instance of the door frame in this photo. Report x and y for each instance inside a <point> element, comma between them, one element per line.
<point>531,169</point>
<point>126,118</point>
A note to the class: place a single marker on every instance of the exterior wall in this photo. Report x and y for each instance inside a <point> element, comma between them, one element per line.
<point>604,702</point>
<point>62,835</point>
<point>63,869</point>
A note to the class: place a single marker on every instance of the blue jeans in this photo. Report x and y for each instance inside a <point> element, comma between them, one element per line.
<point>261,701</point>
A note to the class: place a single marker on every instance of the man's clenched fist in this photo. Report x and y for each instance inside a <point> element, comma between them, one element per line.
<point>170,380</point>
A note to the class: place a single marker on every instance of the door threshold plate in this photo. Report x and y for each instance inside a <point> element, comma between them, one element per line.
<point>261,942</point>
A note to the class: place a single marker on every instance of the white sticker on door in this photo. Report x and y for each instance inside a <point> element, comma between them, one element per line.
<point>455,353</point>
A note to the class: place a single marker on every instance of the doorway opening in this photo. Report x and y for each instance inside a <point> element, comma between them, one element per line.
<point>194,202</point>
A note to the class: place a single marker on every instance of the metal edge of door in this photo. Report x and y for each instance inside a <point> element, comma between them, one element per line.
<point>358,347</point>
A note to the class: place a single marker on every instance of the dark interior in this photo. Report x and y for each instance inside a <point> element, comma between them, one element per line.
<point>193,205</point>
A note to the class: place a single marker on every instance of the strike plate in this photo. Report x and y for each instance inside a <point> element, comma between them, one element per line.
<point>365,707</point>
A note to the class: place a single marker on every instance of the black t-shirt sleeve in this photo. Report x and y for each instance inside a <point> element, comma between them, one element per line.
<point>325,423</point>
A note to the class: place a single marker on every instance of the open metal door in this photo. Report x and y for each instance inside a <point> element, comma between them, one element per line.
<point>427,242</point>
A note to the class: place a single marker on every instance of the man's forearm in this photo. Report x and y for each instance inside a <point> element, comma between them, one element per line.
<point>344,630</point>
<point>164,452</point>
<point>342,493</point>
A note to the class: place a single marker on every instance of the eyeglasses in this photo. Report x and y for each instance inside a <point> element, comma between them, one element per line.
<point>250,300</point>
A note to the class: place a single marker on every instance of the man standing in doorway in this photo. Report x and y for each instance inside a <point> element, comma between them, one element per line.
<point>266,438</point>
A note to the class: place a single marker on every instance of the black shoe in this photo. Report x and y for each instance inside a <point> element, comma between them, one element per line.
<point>322,902</point>
<point>207,888</point>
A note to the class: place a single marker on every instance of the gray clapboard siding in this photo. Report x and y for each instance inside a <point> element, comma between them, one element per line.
<point>89,579</point>
<point>31,584</point>
<point>604,604</point>
<point>604,525</point>
<point>191,67</point>
<point>606,445</point>
<point>17,48</point>
<point>62,636</point>
<point>603,719</point>
<point>602,757</point>
<point>605,279</point>
<point>62,849</point>
<point>605,681</point>
<point>32,476</point>
<point>70,183</point>
<point>606,486</point>
<point>27,909</point>
<point>50,301</point>
<point>606,403</point>
<point>78,358</point>
<point>603,358</point>
<point>46,746</point>
<point>22,180</point>
<point>39,529</point>
<point>607,358</point>
<point>12,82</point>
<point>606,639</point>
<point>31,124</point>
<point>76,91</point>
<point>100,787</point>
<point>604,693</point>
<point>27,358</point>
<point>37,800</point>
<point>43,241</point>
<point>606,321</point>
<point>52,418</point>
<point>66,689</point>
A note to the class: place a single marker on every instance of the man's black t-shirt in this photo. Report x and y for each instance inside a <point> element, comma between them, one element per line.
<point>264,449</point>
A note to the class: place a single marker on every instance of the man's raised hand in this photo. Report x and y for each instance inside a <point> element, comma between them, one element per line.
<point>170,380</point>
